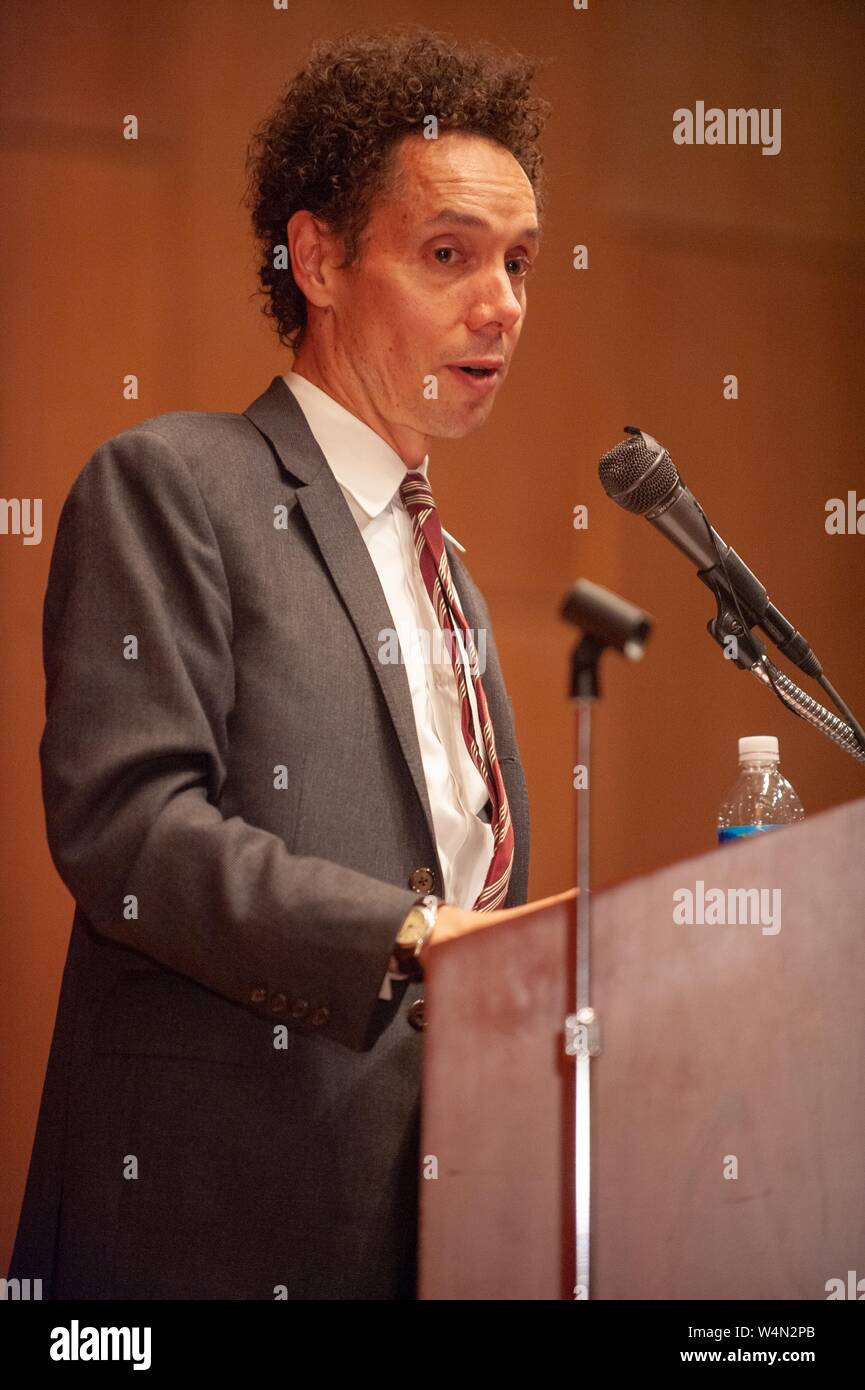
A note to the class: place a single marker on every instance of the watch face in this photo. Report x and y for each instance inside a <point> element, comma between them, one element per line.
<point>412,928</point>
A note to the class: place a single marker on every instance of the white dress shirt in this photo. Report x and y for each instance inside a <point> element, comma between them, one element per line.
<point>369,473</point>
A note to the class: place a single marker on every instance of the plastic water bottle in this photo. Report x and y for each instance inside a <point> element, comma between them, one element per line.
<point>761,799</point>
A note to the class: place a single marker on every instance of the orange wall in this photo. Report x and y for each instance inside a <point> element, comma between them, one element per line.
<point>702,261</point>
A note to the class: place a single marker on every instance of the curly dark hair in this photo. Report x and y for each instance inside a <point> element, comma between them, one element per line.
<point>328,145</point>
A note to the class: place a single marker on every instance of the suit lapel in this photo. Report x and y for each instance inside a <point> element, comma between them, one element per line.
<point>278,416</point>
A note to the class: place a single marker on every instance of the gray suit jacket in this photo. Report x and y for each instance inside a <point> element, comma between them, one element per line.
<point>240,813</point>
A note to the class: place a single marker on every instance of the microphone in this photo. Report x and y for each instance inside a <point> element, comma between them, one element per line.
<point>609,619</point>
<point>639,475</point>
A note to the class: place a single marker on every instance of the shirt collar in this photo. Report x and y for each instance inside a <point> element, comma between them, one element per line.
<point>362,462</point>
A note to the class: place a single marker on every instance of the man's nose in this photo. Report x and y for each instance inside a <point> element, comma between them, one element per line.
<point>495,301</point>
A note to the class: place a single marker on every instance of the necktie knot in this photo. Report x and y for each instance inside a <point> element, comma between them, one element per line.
<point>415,491</point>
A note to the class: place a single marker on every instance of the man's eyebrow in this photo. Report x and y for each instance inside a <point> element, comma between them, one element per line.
<point>469,219</point>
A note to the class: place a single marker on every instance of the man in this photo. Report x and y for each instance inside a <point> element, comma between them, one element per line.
<point>265,822</point>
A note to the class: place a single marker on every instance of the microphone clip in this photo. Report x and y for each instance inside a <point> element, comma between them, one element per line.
<point>740,645</point>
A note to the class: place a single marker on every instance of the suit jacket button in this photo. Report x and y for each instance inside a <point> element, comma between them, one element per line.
<point>421,880</point>
<point>278,1003</point>
<point>320,1016</point>
<point>258,995</point>
<point>300,1008</point>
<point>415,1015</point>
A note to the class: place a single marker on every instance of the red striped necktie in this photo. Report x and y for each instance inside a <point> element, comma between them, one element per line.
<point>432,558</point>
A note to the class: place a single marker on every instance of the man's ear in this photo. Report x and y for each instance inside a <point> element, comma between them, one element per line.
<point>314,254</point>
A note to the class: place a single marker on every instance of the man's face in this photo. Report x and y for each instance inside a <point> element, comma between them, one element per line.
<point>441,279</point>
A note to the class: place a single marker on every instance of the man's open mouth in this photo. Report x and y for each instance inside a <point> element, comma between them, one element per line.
<point>479,371</point>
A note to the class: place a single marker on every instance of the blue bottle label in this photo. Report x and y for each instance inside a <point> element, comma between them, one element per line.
<point>741,832</point>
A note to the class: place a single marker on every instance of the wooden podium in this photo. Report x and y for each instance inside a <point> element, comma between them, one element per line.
<point>728,1102</point>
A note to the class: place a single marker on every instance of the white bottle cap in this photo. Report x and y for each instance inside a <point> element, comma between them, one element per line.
<point>762,748</point>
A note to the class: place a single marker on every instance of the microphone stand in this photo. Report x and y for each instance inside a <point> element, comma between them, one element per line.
<point>582,1031</point>
<point>606,620</point>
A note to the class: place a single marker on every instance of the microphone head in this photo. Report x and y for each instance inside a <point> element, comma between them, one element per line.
<point>638,473</point>
<point>610,619</point>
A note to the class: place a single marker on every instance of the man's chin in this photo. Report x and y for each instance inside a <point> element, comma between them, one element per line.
<point>455,423</point>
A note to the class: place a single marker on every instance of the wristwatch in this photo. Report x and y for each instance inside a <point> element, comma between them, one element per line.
<point>412,935</point>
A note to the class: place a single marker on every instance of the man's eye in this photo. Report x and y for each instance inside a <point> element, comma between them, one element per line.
<point>522,261</point>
